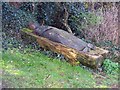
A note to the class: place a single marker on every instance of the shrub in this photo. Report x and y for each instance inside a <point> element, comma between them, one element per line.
<point>110,67</point>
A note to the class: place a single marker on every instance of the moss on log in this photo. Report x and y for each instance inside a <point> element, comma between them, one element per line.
<point>93,59</point>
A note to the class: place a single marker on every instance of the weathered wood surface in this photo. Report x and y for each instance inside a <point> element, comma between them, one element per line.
<point>60,36</point>
<point>93,59</point>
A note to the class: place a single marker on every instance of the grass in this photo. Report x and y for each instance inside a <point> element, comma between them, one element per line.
<point>36,70</point>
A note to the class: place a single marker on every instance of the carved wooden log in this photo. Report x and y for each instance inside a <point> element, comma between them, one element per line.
<point>93,59</point>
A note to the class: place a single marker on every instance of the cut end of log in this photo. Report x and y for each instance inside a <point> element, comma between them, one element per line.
<point>94,58</point>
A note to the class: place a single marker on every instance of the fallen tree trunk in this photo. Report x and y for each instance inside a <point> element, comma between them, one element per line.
<point>93,59</point>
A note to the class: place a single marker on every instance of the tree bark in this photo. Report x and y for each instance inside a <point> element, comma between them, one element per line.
<point>62,15</point>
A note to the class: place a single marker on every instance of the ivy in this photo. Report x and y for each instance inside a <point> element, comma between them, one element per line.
<point>110,67</point>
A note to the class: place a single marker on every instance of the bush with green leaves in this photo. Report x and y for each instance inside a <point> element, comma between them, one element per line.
<point>84,19</point>
<point>110,67</point>
<point>14,19</point>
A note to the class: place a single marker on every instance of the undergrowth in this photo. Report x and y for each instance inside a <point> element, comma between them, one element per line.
<point>110,67</point>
